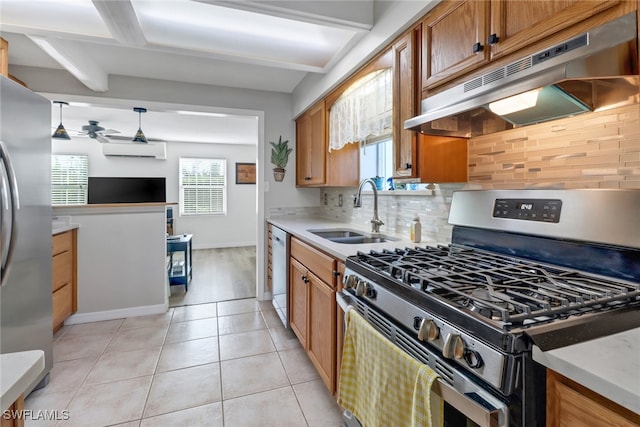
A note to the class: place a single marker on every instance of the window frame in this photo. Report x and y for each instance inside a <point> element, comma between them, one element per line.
<point>223,186</point>
<point>69,187</point>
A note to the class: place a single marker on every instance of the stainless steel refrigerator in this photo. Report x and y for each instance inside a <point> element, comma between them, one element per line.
<point>25,223</point>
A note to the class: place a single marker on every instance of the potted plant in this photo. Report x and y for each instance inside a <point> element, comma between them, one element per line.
<point>279,157</point>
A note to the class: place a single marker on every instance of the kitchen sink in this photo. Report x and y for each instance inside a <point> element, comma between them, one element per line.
<point>351,237</point>
<point>336,234</point>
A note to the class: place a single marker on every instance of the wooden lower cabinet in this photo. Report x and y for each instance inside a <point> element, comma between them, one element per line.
<point>572,405</point>
<point>298,297</point>
<point>321,343</point>
<point>64,277</point>
<point>16,408</point>
<point>312,302</point>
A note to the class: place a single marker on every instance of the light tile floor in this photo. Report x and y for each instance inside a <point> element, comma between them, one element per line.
<point>225,364</point>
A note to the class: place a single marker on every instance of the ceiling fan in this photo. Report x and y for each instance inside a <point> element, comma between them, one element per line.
<point>94,131</point>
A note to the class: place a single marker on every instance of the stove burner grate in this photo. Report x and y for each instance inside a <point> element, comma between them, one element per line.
<point>514,291</point>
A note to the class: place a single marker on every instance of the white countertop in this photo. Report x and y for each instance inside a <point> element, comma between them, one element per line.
<point>298,226</point>
<point>610,366</point>
<point>17,372</point>
<point>57,228</point>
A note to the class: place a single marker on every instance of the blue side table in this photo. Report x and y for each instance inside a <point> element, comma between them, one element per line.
<point>180,274</point>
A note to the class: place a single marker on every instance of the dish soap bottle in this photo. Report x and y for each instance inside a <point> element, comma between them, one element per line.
<point>415,231</point>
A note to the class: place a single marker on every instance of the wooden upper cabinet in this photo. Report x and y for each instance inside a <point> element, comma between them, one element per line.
<point>454,35</point>
<point>315,166</point>
<point>461,36</point>
<point>404,106</point>
<point>517,24</point>
<point>442,159</point>
<point>4,57</point>
<point>343,166</point>
<point>311,147</point>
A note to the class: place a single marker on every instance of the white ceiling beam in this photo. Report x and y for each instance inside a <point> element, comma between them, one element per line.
<point>72,56</point>
<point>354,15</point>
<point>120,18</point>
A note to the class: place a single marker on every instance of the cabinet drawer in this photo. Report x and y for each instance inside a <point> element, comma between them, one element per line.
<point>62,305</point>
<point>62,269</point>
<point>62,242</point>
<point>320,264</point>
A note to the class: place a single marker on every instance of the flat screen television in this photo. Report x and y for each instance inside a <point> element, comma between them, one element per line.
<point>126,190</point>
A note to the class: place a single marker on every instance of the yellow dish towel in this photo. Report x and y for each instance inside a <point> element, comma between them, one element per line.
<point>381,384</point>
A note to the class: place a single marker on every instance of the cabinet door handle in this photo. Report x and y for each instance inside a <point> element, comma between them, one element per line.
<point>493,39</point>
<point>307,178</point>
<point>336,273</point>
<point>304,278</point>
<point>407,165</point>
<point>477,47</point>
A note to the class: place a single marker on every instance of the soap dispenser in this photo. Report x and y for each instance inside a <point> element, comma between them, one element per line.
<point>415,232</point>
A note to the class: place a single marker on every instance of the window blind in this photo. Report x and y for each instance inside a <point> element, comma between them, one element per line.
<point>69,179</point>
<point>203,186</point>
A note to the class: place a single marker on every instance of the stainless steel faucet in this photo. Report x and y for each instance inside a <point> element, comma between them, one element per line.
<point>357,203</point>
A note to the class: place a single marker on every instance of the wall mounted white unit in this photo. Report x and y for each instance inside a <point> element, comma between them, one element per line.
<point>156,150</point>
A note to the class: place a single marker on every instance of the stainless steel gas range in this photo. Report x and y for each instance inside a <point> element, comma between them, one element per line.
<point>525,267</point>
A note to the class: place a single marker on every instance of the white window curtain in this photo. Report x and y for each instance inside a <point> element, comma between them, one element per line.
<point>69,179</point>
<point>203,186</point>
<point>362,111</point>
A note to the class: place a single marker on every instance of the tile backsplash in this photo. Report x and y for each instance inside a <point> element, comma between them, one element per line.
<point>594,150</point>
<point>396,209</point>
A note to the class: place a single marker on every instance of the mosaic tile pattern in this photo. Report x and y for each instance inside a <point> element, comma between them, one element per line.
<point>397,209</point>
<point>594,150</point>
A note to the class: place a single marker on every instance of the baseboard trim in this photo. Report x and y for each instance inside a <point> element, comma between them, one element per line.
<point>121,313</point>
<point>223,245</point>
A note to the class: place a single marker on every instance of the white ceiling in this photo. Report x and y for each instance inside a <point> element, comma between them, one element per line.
<point>263,45</point>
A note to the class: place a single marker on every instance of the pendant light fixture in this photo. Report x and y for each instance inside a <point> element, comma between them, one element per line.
<point>139,137</point>
<point>60,132</point>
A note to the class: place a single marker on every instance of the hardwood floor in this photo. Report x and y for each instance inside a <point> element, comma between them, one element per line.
<point>219,275</point>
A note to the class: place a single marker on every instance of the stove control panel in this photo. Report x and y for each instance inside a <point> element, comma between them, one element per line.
<point>544,210</point>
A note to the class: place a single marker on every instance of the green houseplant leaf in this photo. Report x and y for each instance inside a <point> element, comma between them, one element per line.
<point>280,153</point>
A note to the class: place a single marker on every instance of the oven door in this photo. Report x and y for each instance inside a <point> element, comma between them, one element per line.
<point>466,403</point>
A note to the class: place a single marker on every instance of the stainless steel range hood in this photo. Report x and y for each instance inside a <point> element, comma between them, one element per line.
<point>590,72</point>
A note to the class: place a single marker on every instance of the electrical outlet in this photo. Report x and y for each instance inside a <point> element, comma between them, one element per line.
<point>340,200</point>
<point>325,199</point>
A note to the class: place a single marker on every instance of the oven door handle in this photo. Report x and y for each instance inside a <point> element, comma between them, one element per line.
<point>344,301</point>
<point>474,411</point>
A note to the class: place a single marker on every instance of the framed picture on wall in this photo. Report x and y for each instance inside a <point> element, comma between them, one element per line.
<point>245,173</point>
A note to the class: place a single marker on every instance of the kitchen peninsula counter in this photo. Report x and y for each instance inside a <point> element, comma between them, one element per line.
<point>121,259</point>
<point>61,227</point>
<point>17,372</point>
<point>609,366</point>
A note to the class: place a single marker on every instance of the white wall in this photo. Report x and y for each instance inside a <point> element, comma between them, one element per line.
<point>237,228</point>
<point>121,261</point>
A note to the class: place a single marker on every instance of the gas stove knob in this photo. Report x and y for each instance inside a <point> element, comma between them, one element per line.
<point>428,330</point>
<point>350,281</point>
<point>370,292</point>
<point>361,288</point>
<point>473,359</point>
<point>453,347</point>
